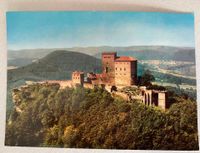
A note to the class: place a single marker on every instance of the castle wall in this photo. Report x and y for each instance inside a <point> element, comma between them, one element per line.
<point>134,72</point>
<point>162,100</point>
<point>88,85</point>
<point>63,84</point>
<point>108,88</point>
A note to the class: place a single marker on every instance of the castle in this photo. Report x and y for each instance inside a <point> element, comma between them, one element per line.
<point>117,72</point>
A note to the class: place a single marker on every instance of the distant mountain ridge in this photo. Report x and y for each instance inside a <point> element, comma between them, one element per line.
<point>26,56</point>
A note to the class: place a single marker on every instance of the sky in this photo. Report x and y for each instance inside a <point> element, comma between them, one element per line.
<point>29,30</point>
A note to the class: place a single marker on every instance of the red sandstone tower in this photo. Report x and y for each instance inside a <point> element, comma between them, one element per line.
<point>108,67</point>
<point>119,71</point>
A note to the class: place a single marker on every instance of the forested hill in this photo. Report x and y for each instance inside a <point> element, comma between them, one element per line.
<point>92,118</point>
<point>56,65</point>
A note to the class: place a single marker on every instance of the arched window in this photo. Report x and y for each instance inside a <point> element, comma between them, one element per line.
<point>148,99</point>
<point>145,99</point>
<point>106,69</point>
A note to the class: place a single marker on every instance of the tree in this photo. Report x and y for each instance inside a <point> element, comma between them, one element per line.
<point>146,79</point>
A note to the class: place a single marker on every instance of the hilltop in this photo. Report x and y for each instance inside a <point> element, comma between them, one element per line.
<point>56,65</point>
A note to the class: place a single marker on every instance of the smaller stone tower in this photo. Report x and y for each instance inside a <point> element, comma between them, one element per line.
<point>78,78</point>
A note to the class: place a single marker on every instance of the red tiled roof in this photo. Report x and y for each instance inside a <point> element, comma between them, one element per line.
<point>125,58</point>
<point>78,72</point>
<point>92,75</point>
<point>105,53</point>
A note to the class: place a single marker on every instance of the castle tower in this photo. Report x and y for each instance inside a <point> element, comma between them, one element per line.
<point>108,66</point>
<point>125,71</point>
<point>78,78</point>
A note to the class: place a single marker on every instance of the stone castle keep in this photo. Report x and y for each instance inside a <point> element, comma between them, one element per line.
<point>117,72</point>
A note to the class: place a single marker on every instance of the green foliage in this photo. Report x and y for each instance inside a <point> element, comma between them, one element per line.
<point>146,79</point>
<point>156,87</point>
<point>124,107</point>
<point>92,118</point>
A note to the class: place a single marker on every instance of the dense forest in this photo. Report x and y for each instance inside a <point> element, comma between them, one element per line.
<point>92,118</point>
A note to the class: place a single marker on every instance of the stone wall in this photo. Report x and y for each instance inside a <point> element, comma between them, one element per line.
<point>123,73</point>
<point>162,100</point>
<point>88,85</point>
<point>63,84</point>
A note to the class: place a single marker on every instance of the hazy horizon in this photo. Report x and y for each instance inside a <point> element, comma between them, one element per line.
<point>99,47</point>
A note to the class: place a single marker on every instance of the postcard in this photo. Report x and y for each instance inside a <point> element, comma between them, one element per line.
<point>101,80</point>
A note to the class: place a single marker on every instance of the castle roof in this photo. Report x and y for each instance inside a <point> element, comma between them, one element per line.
<point>77,72</point>
<point>92,75</point>
<point>125,58</point>
<point>109,53</point>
